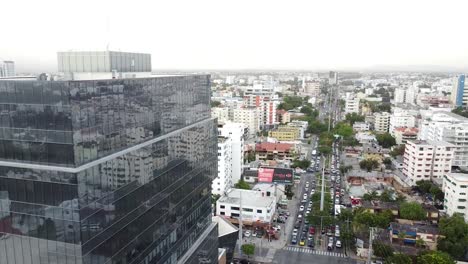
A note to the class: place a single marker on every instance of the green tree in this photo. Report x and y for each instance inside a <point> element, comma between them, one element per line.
<point>460,111</point>
<point>386,140</point>
<point>435,257</point>
<point>382,250</point>
<point>344,130</point>
<point>370,196</point>
<point>215,103</point>
<point>303,164</point>
<point>455,232</point>
<point>214,198</point>
<point>398,259</point>
<point>369,164</point>
<point>248,249</point>
<point>397,151</point>
<point>241,184</point>
<point>251,157</point>
<point>354,117</point>
<point>412,211</point>
<point>386,196</point>
<point>388,163</point>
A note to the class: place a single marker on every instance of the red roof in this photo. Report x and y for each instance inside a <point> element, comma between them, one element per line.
<point>266,146</point>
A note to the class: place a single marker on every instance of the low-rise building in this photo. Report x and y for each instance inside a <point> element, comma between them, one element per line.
<point>285,133</point>
<point>414,231</point>
<point>403,134</point>
<point>427,160</point>
<point>361,126</point>
<point>401,119</point>
<point>302,125</point>
<point>283,116</point>
<point>352,105</point>
<point>274,151</point>
<point>455,187</point>
<point>257,206</point>
<point>249,117</point>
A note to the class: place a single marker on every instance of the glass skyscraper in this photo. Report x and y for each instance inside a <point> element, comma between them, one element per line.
<point>107,171</point>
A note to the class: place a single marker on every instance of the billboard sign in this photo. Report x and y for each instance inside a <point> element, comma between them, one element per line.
<point>277,175</point>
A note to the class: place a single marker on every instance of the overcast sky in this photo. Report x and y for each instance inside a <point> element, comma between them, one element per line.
<point>222,34</point>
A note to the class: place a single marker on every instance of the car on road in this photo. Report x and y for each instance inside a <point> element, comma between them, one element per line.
<point>337,233</point>
<point>338,244</point>
<point>247,233</point>
<point>312,230</point>
<point>294,240</point>
<point>299,216</point>
<point>302,242</point>
<point>301,208</point>
<point>337,201</point>
<point>310,243</point>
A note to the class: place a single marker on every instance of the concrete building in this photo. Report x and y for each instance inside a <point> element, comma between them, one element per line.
<point>221,113</point>
<point>427,160</point>
<point>351,104</point>
<point>449,127</point>
<point>285,133</point>
<point>311,89</point>
<point>399,95</point>
<point>333,78</point>
<point>302,125</point>
<point>381,122</point>
<point>274,151</point>
<point>223,181</point>
<point>403,134</point>
<point>266,88</point>
<point>411,94</point>
<point>459,95</point>
<point>266,106</point>
<point>361,126</point>
<point>249,117</point>
<point>257,206</point>
<point>455,187</point>
<point>401,119</point>
<point>7,69</point>
<point>235,132</point>
<point>283,116</point>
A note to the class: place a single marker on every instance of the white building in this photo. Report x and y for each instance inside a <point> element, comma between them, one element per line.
<point>222,113</point>
<point>302,125</point>
<point>261,88</point>
<point>266,106</point>
<point>311,89</point>
<point>235,132</point>
<point>223,181</point>
<point>361,126</point>
<point>449,127</point>
<point>256,206</point>
<point>401,119</point>
<point>7,69</point>
<point>399,96</point>
<point>411,94</point>
<point>381,122</point>
<point>249,117</point>
<point>427,160</point>
<point>352,104</point>
<point>455,187</point>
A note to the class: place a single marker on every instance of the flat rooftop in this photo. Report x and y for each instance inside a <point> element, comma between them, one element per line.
<point>458,176</point>
<point>249,198</point>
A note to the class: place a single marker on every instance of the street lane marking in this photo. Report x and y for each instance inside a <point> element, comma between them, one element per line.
<point>315,252</point>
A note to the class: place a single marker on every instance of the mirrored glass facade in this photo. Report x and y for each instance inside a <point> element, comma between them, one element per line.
<point>115,171</point>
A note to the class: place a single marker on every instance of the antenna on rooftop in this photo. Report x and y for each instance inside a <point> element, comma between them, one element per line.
<point>107,32</point>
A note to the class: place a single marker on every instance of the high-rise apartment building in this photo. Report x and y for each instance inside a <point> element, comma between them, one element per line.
<point>459,95</point>
<point>381,122</point>
<point>249,117</point>
<point>234,133</point>
<point>427,160</point>
<point>221,113</point>
<point>411,94</point>
<point>449,127</point>
<point>333,78</point>
<point>223,181</point>
<point>455,187</point>
<point>107,171</point>
<point>399,95</point>
<point>7,69</point>
<point>401,119</point>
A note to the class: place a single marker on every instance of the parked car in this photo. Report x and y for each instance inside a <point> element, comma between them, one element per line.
<point>310,243</point>
<point>302,242</point>
<point>338,244</point>
<point>247,233</point>
<point>301,208</point>
<point>294,240</point>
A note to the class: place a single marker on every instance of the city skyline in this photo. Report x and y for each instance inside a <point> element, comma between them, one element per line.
<point>210,35</point>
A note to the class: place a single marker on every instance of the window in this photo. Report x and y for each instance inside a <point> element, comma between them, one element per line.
<point>234,208</point>
<point>463,186</point>
<point>247,209</point>
<point>461,207</point>
<point>462,193</point>
<point>222,213</point>
<point>462,200</point>
<point>259,211</point>
<point>234,215</point>
<point>222,206</point>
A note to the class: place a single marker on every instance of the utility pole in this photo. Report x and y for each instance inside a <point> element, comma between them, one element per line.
<point>371,239</point>
<point>240,223</point>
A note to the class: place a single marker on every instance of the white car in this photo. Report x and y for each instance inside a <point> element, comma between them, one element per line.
<point>308,211</point>
<point>301,208</point>
<point>337,233</point>
<point>305,195</point>
<point>247,233</point>
<point>295,232</point>
<point>299,216</point>
<point>338,244</point>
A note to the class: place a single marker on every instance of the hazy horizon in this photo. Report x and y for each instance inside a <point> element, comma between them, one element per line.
<point>241,35</point>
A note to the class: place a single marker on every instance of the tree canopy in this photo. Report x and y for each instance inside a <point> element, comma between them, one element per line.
<point>455,231</point>
<point>386,140</point>
<point>398,259</point>
<point>369,164</point>
<point>354,117</point>
<point>397,151</point>
<point>460,111</point>
<point>248,249</point>
<point>242,185</point>
<point>303,164</point>
<point>215,103</point>
<point>412,211</point>
<point>435,257</point>
<point>290,102</point>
